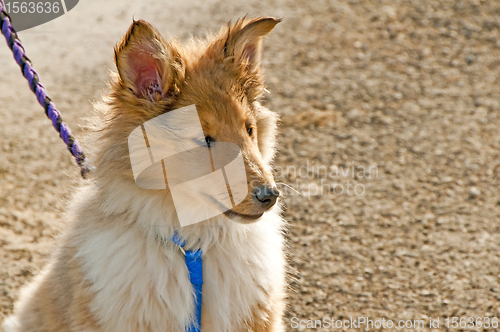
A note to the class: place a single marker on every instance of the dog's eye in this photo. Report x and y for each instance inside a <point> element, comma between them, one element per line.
<point>250,131</point>
<point>209,140</point>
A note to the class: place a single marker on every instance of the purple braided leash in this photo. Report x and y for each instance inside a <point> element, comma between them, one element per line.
<point>41,95</point>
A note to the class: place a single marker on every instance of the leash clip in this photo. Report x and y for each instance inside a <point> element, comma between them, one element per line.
<point>179,242</point>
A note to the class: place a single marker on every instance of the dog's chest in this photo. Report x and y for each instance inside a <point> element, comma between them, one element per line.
<point>238,282</point>
<point>145,287</point>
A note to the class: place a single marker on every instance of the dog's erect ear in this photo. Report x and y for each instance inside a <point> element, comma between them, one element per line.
<point>147,65</point>
<point>244,41</point>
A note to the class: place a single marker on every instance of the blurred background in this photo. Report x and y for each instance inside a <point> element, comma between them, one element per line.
<point>405,92</point>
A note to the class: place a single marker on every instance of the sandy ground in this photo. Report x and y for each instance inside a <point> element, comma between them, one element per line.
<point>405,93</point>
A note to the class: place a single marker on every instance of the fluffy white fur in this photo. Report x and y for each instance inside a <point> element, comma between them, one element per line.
<point>139,277</point>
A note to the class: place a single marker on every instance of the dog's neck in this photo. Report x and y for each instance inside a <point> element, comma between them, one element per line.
<point>153,212</point>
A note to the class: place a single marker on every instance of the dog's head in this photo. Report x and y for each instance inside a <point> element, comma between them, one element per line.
<point>221,75</point>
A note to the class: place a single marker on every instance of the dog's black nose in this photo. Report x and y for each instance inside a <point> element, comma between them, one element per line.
<point>266,196</point>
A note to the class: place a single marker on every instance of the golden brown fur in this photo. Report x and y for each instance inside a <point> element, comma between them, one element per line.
<point>115,271</point>
<point>218,78</point>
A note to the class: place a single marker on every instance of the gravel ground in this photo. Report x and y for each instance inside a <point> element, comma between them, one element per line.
<point>390,133</point>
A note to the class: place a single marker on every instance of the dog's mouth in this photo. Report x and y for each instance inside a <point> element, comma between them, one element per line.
<point>249,217</point>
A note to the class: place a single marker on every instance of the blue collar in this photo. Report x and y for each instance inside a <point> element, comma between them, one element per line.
<point>194,264</point>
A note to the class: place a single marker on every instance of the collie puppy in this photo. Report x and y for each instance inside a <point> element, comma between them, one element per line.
<point>117,269</point>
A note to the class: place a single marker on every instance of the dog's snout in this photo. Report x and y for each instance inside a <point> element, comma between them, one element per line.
<point>266,196</point>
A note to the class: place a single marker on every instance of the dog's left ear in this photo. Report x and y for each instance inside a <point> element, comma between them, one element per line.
<point>148,66</point>
<point>244,41</point>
